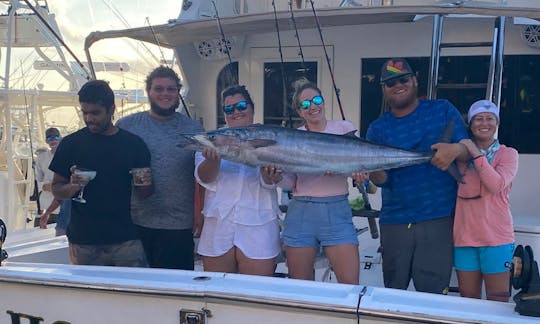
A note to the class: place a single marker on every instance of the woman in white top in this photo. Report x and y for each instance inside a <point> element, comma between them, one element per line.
<point>241,230</point>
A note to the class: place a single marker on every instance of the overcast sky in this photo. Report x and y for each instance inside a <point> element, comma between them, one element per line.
<point>77,18</point>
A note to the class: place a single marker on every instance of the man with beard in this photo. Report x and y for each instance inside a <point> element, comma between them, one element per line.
<point>100,231</point>
<point>417,201</point>
<point>165,220</point>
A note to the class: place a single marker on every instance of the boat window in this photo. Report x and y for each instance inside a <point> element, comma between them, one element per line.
<point>227,77</point>
<point>274,111</point>
<point>462,80</point>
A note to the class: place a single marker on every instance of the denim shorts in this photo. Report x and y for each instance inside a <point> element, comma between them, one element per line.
<point>319,221</point>
<point>486,259</point>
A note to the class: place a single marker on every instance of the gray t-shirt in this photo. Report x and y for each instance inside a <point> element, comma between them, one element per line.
<point>171,205</point>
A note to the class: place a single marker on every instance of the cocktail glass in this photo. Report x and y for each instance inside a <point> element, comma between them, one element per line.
<point>87,175</point>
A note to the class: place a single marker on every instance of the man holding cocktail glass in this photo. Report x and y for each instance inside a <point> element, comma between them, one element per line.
<point>93,167</point>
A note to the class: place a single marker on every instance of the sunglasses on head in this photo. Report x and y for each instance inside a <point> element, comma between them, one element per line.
<point>240,106</point>
<point>305,104</point>
<point>392,82</point>
<point>53,138</point>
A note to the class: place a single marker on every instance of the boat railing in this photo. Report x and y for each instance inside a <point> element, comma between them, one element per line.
<point>193,10</point>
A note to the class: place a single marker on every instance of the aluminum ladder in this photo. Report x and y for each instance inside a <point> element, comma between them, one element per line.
<point>494,81</point>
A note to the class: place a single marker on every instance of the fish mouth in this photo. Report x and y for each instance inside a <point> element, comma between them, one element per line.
<point>195,142</point>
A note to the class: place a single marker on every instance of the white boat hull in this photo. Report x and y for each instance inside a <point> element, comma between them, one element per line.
<point>89,294</point>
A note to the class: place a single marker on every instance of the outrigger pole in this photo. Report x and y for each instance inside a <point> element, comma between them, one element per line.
<point>327,59</point>
<point>58,38</point>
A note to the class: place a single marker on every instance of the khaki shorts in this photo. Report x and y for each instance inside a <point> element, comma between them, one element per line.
<point>125,254</point>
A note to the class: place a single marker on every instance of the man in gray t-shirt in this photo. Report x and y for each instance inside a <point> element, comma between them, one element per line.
<point>166,219</point>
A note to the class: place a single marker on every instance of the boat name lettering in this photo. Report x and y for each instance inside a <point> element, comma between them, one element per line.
<point>16,318</point>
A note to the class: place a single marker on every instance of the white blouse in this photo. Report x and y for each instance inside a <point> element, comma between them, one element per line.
<point>239,191</point>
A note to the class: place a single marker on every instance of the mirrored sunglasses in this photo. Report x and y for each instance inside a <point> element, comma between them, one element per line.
<point>240,106</point>
<point>390,83</point>
<point>317,100</point>
<point>53,138</point>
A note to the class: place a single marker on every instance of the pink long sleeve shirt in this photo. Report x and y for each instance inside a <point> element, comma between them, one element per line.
<point>483,216</point>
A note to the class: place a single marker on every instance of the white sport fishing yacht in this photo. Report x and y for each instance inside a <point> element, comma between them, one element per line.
<point>461,50</point>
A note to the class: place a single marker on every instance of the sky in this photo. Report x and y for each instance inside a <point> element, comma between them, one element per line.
<point>77,18</point>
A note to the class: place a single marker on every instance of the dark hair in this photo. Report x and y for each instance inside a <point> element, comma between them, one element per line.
<point>97,92</point>
<point>162,72</point>
<point>300,86</point>
<point>237,89</point>
<point>52,131</point>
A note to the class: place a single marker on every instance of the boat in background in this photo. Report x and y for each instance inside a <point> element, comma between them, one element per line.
<point>39,80</point>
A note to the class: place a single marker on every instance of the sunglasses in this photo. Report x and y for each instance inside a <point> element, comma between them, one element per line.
<point>240,106</point>
<point>167,89</point>
<point>53,138</point>
<point>393,82</point>
<point>317,100</point>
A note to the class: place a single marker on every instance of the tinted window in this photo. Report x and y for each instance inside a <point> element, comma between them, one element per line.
<point>462,80</point>
<point>277,105</point>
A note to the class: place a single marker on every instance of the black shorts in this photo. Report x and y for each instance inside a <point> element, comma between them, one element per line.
<point>422,252</point>
<point>171,249</point>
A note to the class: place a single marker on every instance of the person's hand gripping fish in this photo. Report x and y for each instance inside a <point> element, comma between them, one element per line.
<point>271,174</point>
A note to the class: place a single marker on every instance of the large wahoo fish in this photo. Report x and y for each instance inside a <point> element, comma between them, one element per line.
<point>301,151</point>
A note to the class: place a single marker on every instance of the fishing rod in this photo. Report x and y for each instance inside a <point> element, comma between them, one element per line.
<point>35,194</point>
<point>79,63</point>
<point>297,36</point>
<point>163,58</point>
<point>327,60</point>
<point>224,45</point>
<point>157,42</point>
<point>286,111</point>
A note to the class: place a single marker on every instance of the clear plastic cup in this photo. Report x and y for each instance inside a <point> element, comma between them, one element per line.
<point>141,176</point>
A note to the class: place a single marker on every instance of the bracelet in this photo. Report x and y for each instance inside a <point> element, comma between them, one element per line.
<point>476,157</point>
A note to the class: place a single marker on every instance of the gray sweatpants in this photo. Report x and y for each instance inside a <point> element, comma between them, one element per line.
<point>422,251</point>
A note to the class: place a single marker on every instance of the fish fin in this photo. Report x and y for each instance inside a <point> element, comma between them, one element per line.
<point>351,133</point>
<point>261,143</point>
<point>454,172</point>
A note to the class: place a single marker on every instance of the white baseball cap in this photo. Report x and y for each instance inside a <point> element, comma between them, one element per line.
<point>482,106</point>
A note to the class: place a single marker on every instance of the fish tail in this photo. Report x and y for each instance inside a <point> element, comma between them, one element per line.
<point>448,132</point>
<point>455,173</point>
